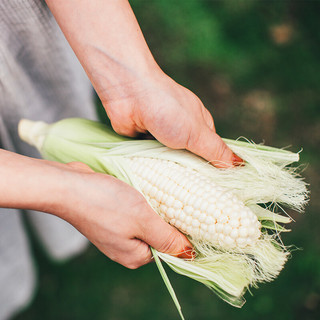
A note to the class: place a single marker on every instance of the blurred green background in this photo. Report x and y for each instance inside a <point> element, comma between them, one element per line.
<point>255,65</point>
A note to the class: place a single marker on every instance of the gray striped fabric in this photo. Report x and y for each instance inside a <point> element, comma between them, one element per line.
<point>40,79</point>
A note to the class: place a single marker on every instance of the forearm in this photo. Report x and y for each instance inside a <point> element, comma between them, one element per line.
<point>28,183</point>
<point>107,40</point>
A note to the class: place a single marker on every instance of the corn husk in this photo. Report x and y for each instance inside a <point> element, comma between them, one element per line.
<point>267,184</point>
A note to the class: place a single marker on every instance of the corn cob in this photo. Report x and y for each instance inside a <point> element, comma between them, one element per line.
<point>194,204</point>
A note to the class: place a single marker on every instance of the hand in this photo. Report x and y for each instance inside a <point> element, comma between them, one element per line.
<point>172,114</point>
<point>112,215</point>
<point>115,217</point>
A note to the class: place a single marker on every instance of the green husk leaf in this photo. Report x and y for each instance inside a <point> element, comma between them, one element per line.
<point>264,179</point>
<point>264,214</point>
<point>167,281</point>
<point>271,225</point>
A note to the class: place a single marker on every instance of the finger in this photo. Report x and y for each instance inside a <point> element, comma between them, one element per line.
<point>80,166</point>
<point>165,238</point>
<point>208,118</point>
<point>123,130</point>
<point>211,147</point>
<point>128,130</point>
<point>140,254</point>
<point>133,253</point>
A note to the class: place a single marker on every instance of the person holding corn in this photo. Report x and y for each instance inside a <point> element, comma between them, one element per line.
<point>42,80</point>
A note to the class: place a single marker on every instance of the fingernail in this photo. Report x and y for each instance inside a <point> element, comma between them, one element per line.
<point>237,161</point>
<point>187,253</point>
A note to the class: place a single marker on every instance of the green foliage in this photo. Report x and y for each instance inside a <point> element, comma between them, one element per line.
<point>255,65</point>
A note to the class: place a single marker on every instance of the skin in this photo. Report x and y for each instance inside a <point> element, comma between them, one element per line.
<point>138,97</point>
<point>93,203</point>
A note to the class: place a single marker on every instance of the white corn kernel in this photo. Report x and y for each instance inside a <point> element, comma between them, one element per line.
<point>191,200</point>
<point>163,208</point>
<point>245,222</point>
<point>217,213</point>
<point>182,216</point>
<point>159,196</point>
<point>188,210</point>
<point>203,227</point>
<point>189,230</point>
<point>178,224</point>
<point>227,229</point>
<point>243,232</point>
<point>170,213</point>
<point>209,220</point>
<point>212,229</point>
<point>234,233</point>
<point>188,220</point>
<point>172,189</point>
<point>223,219</point>
<point>170,201</point>
<point>177,204</point>
<point>197,203</point>
<point>195,223</point>
<point>219,227</point>
<point>234,223</point>
<point>228,241</point>
<point>182,194</point>
<point>211,209</point>
<point>241,241</point>
<point>204,206</point>
<point>154,203</point>
<point>202,217</point>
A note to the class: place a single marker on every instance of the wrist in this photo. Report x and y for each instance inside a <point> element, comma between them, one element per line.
<point>43,186</point>
<point>63,189</point>
<point>116,80</point>
<point>49,191</point>
<point>29,183</point>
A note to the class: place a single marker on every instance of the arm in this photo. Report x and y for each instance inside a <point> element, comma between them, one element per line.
<point>136,94</point>
<point>112,215</point>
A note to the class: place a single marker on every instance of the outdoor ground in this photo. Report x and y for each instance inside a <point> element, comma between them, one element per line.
<point>255,65</point>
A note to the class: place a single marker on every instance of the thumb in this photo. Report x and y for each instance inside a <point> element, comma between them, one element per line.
<point>80,166</point>
<point>167,239</point>
<point>209,145</point>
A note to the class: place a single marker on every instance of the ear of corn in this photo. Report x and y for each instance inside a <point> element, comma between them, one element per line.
<point>194,204</point>
<point>229,215</point>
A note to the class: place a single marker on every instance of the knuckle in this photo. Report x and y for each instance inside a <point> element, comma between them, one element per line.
<point>132,265</point>
<point>122,126</point>
<point>192,139</point>
<point>169,245</point>
<point>221,149</point>
<point>126,261</point>
<point>209,121</point>
<point>77,165</point>
<point>119,129</point>
<point>140,255</point>
<point>136,263</point>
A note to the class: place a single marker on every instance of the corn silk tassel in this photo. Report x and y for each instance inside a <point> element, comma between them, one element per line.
<point>263,187</point>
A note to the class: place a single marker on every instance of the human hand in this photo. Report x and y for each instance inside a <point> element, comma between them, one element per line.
<point>171,113</point>
<point>114,217</point>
